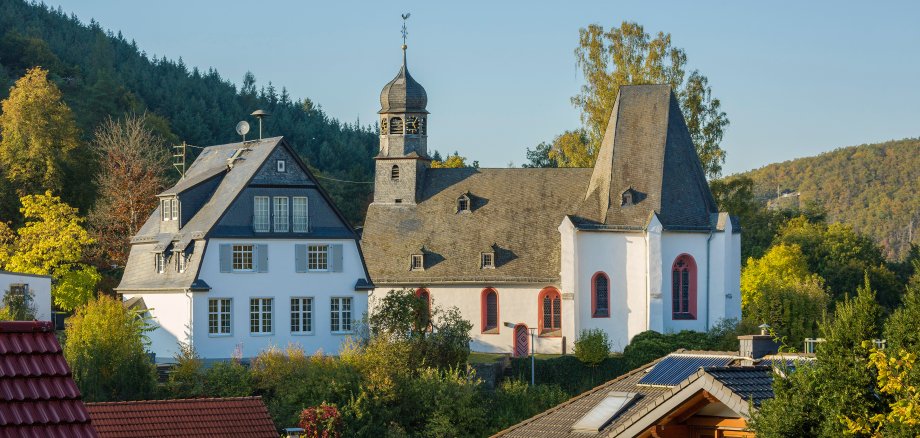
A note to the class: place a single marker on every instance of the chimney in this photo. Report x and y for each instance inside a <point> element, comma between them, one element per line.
<point>757,346</point>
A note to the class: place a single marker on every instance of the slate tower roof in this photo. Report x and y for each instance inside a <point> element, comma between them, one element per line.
<point>647,163</point>
<point>403,94</point>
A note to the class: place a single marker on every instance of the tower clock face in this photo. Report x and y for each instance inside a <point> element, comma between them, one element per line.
<point>412,125</point>
<point>383,126</point>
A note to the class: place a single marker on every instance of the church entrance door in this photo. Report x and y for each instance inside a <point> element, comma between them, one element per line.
<point>521,341</point>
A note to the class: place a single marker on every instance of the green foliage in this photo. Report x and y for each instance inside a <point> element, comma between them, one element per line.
<point>650,345</point>
<point>102,74</point>
<point>452,162</point>
<point>873,188</point>
<point>516,400</point>
<point>290,381</point>
<point>568,373</point>
<point>105,351</point>
<point>52,242</point>
<point>540,156</point>
<point>39,140</point>
<point>592,347</point>
<point>227,379</point>
<point>18,306</point>
<point>185,379</point>
<point>778,290</point>
<point>627,55</point>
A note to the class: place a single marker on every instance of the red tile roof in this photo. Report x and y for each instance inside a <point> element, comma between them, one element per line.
<point>38,396</point>
<point>201,417</point>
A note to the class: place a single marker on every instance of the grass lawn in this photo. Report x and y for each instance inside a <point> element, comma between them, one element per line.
<point>485,357</point>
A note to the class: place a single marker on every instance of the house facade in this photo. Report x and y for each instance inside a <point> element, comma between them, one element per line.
<point>35,290</point>
<point>635,243</point>
<point>246,252</point>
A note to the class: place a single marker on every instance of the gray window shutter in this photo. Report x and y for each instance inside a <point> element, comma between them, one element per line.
<point>300,258</point>
<point>336,257</point>
<point>262,250</point>
<point>226,257</point>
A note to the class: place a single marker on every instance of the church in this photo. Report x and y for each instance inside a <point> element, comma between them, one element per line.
<point>531,257</point>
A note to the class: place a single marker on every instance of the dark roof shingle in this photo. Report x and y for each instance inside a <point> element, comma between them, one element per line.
<point>205,417</point>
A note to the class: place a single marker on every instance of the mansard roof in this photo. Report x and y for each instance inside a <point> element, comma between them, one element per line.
<point>516,210</point>
<point>647,150</point>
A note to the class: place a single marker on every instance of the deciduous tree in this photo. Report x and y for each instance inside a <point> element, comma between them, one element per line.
<point>627,55</point>
<point>132,171</point>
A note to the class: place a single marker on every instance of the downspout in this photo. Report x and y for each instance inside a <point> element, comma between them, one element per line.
<point>191,330</point>
<point>708,269</point>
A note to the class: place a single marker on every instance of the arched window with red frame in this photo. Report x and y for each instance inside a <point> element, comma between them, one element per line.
<point>550,318</point>
<point>489,311</point>
<point>425,295</point>
<point>600,295</point>
<point>683,287</point>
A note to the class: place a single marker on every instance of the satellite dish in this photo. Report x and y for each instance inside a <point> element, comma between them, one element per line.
<point>242,128</point>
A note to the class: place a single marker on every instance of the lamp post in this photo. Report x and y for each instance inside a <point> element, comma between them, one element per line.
<point>533,332</point>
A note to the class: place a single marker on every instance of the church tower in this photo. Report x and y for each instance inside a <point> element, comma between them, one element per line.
<point>403,156</point>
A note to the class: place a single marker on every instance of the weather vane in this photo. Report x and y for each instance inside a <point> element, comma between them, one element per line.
<point>405,33</point>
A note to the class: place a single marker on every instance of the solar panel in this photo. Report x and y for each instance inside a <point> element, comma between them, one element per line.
<point>600,415</point>
<point>675,368</point>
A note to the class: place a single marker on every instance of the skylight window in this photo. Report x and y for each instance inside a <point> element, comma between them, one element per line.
<point>605,411</point>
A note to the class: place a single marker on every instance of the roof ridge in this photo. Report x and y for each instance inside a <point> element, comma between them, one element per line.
<point>175,400</point>
<point>26,326</point>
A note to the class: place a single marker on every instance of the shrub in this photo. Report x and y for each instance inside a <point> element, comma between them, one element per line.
<point>323,421</point>
<point>516,400</point>
<point>185,378</point>
<point>227,379</point>
<point>569,373</point>
<point>592,347</point>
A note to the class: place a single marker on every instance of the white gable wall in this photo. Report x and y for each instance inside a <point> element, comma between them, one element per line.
<point>39,285</point>
<point>169,313</point>
<point>673,244</point>
<point>281,283</point>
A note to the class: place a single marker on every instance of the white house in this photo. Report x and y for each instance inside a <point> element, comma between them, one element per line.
<point>245,252</point>
<point>37,289</point>
<point>635,243</point>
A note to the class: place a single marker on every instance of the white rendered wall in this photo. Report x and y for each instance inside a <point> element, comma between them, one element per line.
<point>673,244</point>
<point>281,283</point>
<point>169,314</point>
<point>516,304</point>
<point>622,257</point>
<point>39,285</point>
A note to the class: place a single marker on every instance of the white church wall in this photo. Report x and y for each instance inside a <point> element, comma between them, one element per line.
<point>718,254</point>
<point>733,278</point>
<point>39,286</point>
<point>516,304</point>
<point>673,244</point>
<point>622,257</point>
<point>281,283</point>
<point>169,313</point>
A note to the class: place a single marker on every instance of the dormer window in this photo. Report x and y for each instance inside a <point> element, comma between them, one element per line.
<point>394,173</point>
<point>181,262</point>
<point>160,262</point>
<point>627,198</point>
<point>169,209</point>
<point>396,125</point>
<point>463,204</point>
<point>488,260</point>
<point>281,166</point>
<point>631,196</point>
<point>418,262</point>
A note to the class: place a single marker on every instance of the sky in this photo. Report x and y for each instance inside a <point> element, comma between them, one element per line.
<point>795,78</point>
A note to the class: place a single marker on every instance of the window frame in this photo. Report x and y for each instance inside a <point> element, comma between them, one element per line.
<point>394,172</point>
<point>321,255</point>
<point>175,209</point>
<point>242,250</point>
<point>484,312</point>
<point>281,166</point>
<point>482,260</point>
<point>220,318</point>
<point>281,222</point>
<point>464,201</point>
<point>423,292</point>
<point>258,225</point>
<point>594,299</point>
<point>181,262</point>
<point>555,299</point>
<point>306,214</point>
<point>336,313</point>
<point>159,263</point>
<point>417,262</point>
<point>686,277</point>
<point>261,318</point>
<point>311,313</point>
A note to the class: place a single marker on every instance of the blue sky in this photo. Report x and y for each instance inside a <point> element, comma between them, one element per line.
<point>796,78</point>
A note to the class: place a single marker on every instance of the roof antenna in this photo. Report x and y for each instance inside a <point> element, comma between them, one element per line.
<point>179,158</point>
<point>242,128</point>
<point>260,114</point>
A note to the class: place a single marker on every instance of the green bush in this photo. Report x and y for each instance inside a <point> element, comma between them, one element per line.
<point>185,379</point>
<point>516,400</point>
<point>569,373</point>
<point>227,379</point>
<point>592,347</point>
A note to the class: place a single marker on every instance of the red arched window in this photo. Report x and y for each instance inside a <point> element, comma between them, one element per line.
<point>550,304</point>
<point>600,296</point>
<point>489,311</point>
<point>425,295</point>
<point>683,288</point>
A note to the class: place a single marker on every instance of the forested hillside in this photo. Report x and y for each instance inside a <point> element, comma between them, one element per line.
<point>102,74</point>
<point>873,187</point>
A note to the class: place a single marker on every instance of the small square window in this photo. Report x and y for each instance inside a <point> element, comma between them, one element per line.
<point>282,166</point>
<point>242,257</point>
<point>488,260</point>
<point>418,262</point>
<point>318,257</point>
